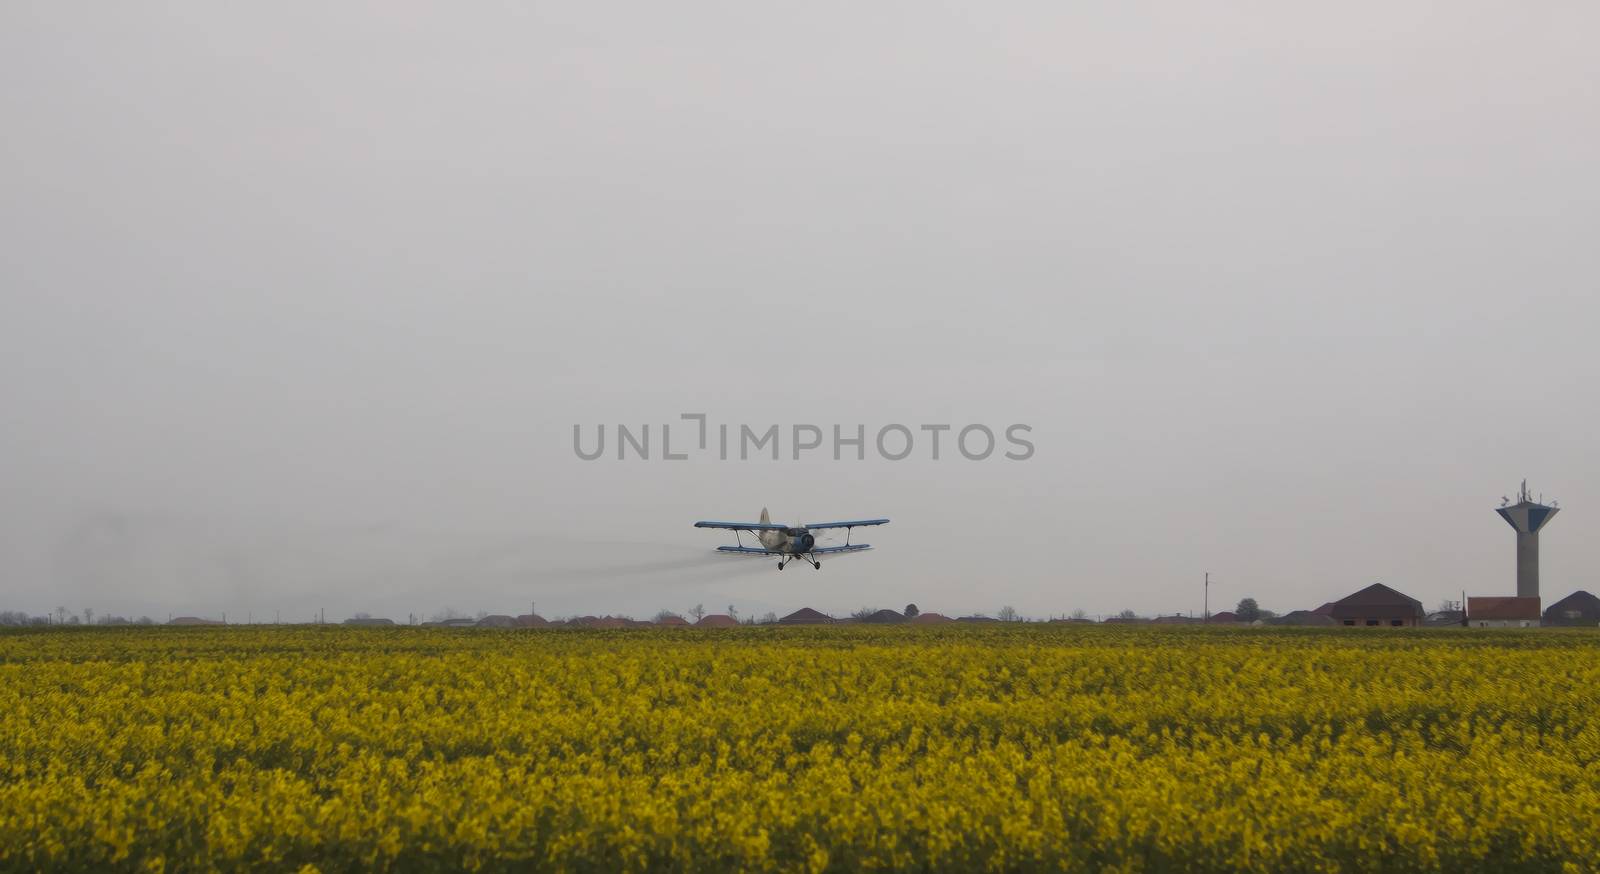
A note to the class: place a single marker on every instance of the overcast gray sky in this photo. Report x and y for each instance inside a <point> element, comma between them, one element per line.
<point>299,303</point>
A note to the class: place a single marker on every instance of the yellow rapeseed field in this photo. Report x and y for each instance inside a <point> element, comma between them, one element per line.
<point>1015,747</point>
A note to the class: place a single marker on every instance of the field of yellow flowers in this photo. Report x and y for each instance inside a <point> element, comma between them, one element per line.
<point>1015,747</point>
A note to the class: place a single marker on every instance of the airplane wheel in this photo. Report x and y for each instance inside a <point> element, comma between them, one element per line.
<point>780,565</point>
<point>818,565</point>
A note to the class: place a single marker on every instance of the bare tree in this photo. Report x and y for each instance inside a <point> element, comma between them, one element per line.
<point>732,612</point>
<point>769,618</point>
<point>697,611</point>
<point>1007,613</point>
<point>863,613</point>
<point>1079,614</point>
<point>664,615</point>
<point>61,615</point>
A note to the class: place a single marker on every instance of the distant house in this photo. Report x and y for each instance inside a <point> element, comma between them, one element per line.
<point>717,620</point>
<point>885,617</point>
<point>673,622</point>
<point>1502,611</point>
<point>1445,618</point>
<point>372,621</point>
<point>1226,617</point>
<point>499,620</point>
<point>1377,606</point>
<point>193,620</point>
<point>930,619</point>
<point>532,620</point>
<point>1578,608</point>
<point>806,616</point>
<point>977,619</point>
<point>1175,619</point>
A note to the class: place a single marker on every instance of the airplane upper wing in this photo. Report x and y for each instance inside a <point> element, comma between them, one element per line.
<point>858,523</point>
<point>744,526</point>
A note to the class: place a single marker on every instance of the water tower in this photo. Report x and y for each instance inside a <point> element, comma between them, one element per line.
<point>1527,516</point>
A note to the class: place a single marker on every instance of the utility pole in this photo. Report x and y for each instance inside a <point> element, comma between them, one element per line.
<point>1208,597</point>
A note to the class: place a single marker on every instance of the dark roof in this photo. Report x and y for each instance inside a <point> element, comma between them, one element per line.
<point>1305,617</point>
<point>1376,601</point>
<point>672,621</point>
<point>1325,610</point>
<point>499,620</point>
<point>885,617</point>
<point>599,622</point>
<point>1502,607</point>
<point>1579,600</point>
<point>806,616</point>
<point>369,620</point>
<point>977,619</point>
<point>531,620</point>
<point>193,620</point>
<point>930,619</point>
<point>717,620</point>
<point>1225,616</point>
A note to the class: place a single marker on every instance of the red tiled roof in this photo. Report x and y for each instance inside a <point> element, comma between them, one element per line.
<point>717,620</point>
<point>1500,607</point>
<point>930,619</point>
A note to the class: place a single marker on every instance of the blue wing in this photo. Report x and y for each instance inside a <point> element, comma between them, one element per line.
<point>858,523</point>
<point>854,547</point>
<point>744,526</point>
<point>749,550</point>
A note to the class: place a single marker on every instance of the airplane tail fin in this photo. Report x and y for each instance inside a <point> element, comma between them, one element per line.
<point>765,519</point>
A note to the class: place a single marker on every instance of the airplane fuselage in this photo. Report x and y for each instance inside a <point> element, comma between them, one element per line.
<point>791,541</point>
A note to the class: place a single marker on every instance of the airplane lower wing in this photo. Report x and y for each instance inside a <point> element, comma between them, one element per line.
<point>832,550</point>
<point>824,550</point>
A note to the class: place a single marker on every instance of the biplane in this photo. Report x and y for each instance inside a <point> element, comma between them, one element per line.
<point>789,542</point>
